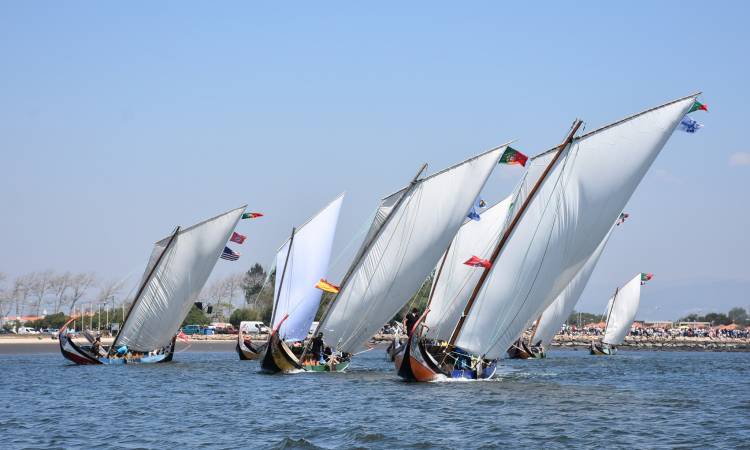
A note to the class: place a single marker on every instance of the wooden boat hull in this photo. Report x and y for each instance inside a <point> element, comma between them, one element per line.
<point>411,363</point>
<point>82,356</point>
<point>460,367</point>
<point>599,349</point>
<point>247,351</point>
<point>279,357</point>
<point>340,367</point>
<point>521,350</point>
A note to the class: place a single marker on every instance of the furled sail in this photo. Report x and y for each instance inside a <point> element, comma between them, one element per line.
<point>576,204</point>
<point>555,315</point>
<point>454,280</point>
<point>181,265</point>
<point>300,270</point>
<point>621,311</point>
<point>402,248</point>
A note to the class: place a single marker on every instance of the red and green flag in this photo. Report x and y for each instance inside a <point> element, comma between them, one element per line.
<point>646,277</point>
<point>698,106</point>
<point>252,215</point>
<point>476,261</point>
<point>513,156</point>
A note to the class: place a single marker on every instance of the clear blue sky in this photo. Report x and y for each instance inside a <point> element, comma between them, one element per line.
<point>120,121</point>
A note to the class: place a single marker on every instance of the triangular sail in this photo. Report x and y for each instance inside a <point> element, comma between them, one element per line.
<point>621,311</point>
<point>555,315</point>
<point>455,280</point>
<point>307,263</point>
<point>576,205</point>
<point>401,255</point>
<point>176,281</point>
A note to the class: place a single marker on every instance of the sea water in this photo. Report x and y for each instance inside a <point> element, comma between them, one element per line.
<point>636,399</point>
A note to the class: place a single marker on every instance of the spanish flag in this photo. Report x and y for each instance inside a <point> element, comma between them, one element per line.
<point>324,285</point>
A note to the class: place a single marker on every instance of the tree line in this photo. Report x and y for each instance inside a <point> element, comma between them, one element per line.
<point>736,315</point>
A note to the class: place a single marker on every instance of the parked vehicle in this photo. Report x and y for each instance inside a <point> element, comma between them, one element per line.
<point>192,329</point>
<point>254,327</point>
<point>26,330</point>
<point>226,330</point>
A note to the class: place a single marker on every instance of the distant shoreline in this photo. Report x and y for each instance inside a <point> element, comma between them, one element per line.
<point>10,345</point>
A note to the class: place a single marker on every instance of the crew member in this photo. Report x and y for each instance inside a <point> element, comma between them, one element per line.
<point>317,347</point>
<point>411,320</point>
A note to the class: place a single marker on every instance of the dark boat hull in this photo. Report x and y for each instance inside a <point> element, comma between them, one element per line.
<point>600,349</point>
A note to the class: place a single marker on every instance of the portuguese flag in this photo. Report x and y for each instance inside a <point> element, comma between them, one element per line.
<point>646,277</point>
<point>251,215</point>
<point>324,285</point>
<point>513,156</point>
<point>698,106</point>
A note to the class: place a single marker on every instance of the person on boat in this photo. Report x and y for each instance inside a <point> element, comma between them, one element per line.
<point>411,320</point>
<point>96,345</point>
<point>317,347</point>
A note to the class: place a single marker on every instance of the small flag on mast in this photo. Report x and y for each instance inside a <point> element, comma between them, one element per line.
<point>237,237</point>
<point>326,286</point>
<point>698,106</point>
<point>689,125</point>
<point>252,215</point>
<point>476,261</point>
<point>182,336</point>
<point>229,255</point>
<point>622,218</point>
<point>473,212</point>
<point>646,277</point>
<point>513,156</point>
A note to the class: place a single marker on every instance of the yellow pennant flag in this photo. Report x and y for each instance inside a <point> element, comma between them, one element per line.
<point>324,285</point>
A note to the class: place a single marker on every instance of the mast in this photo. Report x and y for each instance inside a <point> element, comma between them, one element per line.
<point>609,313</point>
<point>283,272</point>
<point>143,286</point>
<point>368,244</point>
<point>509,231</point>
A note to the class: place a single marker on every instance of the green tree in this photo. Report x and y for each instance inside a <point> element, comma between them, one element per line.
<point>196,317</point>
<point>582,318</point>
<point>738,316</point>
<point>49,321</point>
<point>245,314</point>
<point>252,282</point>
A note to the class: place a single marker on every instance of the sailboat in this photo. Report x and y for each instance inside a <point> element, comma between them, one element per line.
<point>562,210</point>
<point>175,274</point>
<point>302,262</point>
<point>621,309</point>
<point>404,242</point>
<point>450,290</point>
<point>549,323</point>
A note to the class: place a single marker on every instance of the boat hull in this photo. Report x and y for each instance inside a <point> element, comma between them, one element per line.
<point>599,349</point>
<point>521,350</point>
<point>411,362</point>
<point>247,351</point>
<point>83,356</point>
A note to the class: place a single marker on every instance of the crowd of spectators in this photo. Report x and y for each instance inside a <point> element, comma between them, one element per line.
<point>662,332</point>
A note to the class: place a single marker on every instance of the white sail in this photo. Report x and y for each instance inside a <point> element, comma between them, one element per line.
<point>575,206</point>
<point>623,306</point>
<point>555,315</point>
<point>297,295</point>
<point>177,279</point>
<point>403,250</point>
<point>454,280</point>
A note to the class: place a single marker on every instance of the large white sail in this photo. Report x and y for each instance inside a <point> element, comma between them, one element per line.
<point>402,250</point>
<point>623,307</point>
<point>555,315</point>
<point>568,217</point>
<point>307,263</point>
<point>454,280</point>
<point>177,279</point>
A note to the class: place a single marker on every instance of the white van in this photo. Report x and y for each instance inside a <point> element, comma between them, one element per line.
<point>26,330</point>
<point>253,327</point>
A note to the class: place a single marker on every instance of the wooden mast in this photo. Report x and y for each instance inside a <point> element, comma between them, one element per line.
<point>143,286</point>
<point>283,272</point>
<point>509,231</point>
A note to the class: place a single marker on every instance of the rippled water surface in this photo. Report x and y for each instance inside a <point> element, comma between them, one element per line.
<point>213,400</point>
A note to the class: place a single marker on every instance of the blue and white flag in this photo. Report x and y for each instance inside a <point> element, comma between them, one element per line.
<point>473,212</point>
<point>689,125</point>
